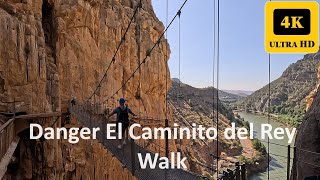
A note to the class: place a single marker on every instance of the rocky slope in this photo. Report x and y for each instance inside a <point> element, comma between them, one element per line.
<point>203,97</point>
<point>194,105</point>
<point>288,92</point>
<point>54,49</point>
<point>307,160</point>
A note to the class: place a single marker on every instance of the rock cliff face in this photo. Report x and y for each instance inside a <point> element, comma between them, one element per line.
<point>54,49</point>
<point>288,92</point>
<point>307,160</point>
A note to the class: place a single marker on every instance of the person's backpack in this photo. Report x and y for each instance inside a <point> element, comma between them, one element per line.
<point>124,115</point>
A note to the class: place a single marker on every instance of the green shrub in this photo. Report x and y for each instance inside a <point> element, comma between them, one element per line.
<point>257,145</point>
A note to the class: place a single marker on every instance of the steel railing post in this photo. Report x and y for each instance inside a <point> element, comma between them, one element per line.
<point>167,138</point>
<point>288,162</point>
<point>237,171</point>
<point>243,172</point>
<point>294,165</point>
<point>133,155</point>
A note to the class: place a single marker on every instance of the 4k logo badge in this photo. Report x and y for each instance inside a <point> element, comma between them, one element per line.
<point>291,27</point>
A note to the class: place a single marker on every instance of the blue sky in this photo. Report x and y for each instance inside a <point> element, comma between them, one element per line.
<point>243,60</point>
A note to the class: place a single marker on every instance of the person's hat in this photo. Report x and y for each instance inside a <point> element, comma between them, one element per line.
<point>122,100</point>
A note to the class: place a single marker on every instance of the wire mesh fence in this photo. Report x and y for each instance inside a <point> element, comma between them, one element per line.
<point>280,161</point>
<point>128,156</point>
<point>307,160</point>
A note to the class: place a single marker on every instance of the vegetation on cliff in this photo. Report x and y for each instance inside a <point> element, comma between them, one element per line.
<point>288,92</point>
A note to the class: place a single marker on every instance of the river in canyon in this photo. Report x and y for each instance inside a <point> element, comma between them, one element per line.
<point>278,151</point>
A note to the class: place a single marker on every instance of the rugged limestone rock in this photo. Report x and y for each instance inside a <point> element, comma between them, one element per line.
<point>307,160</point>
<point>54,49</point>
<point>312,95</point>
<point>75,41</point>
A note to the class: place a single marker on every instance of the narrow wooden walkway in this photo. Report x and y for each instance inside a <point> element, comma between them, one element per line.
<point>7,157</point>
<point>9,138</point>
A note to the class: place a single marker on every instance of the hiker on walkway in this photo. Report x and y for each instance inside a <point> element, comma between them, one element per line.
<point>122,117</point>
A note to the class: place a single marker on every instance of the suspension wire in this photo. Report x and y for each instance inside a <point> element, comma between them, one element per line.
<point>117,50</point>
<point>269,107</point>
<point>158,86</point>
<point>179,56</point>
<point>113,75</point>
<point>145,110</point>
<point>217,90</point>
<point>213,62</point>
<point>99,107</point>
<point>166,91</point>
<point>139,78</point>
<point>179,42</point>
<point>149,51</point>
<point>123,70</point>
<point>308,151</point>
<point>166,55</point>
<point>310,164</point>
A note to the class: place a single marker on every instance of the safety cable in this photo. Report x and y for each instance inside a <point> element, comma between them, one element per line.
<point>166,91</point>
<point>308,151</point>
<point>113,76</point>
<point>139,78</point>
<point>179,35</point>
<point>165,56</point>
<point>179,96</point>
<point>269,108</point>
<point>217,89</point>
<point>310,164</point>
<point>213,63</point>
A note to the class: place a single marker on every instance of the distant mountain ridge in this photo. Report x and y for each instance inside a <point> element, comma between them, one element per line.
<point>288,92</point>
<point>224,96</point>
<point>243,93</point>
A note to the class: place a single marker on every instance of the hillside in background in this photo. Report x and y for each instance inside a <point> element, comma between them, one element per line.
<point>225,96</point>
<point>288,92</point>
<point>195,105</point>
<point>201,99</point>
